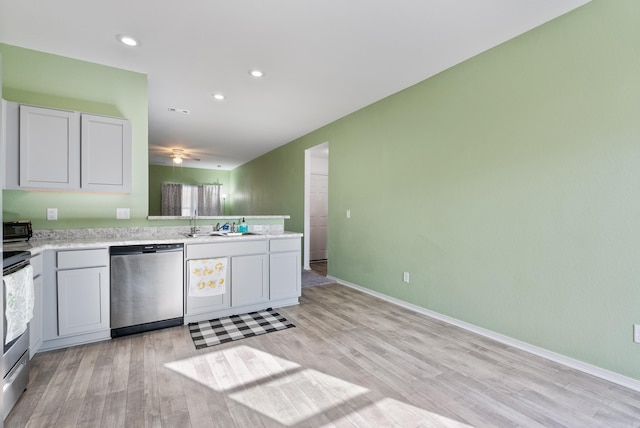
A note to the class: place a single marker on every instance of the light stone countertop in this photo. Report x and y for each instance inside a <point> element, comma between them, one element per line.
<point>89,238</point>
<point>219,217</point>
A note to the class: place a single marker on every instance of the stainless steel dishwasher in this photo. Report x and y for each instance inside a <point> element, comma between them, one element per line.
<point>146,287</point>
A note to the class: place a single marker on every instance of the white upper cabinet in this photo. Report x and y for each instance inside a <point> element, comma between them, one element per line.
<point>49,149</point>
<point>53,149</point>
<point>106,154</point>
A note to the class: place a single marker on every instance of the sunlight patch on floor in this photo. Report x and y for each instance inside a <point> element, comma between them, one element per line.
<point>241,366</point>
<point>406,415</point>
<point>291,394</point>
<point>288,400</point>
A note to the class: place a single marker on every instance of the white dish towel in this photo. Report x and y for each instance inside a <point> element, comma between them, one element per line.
<point>207,277</point>
<point>18,297</point>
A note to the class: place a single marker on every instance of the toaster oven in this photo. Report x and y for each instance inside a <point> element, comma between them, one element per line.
<point>16,231</point>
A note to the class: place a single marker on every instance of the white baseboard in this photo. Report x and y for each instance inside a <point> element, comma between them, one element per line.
<point>608,375</point>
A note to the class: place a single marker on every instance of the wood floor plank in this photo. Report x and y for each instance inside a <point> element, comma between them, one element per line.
<point>93,404</point>
<point>134,415</point>
<point>115,410</point>
<point>193,391</point>
<point>351,361</point>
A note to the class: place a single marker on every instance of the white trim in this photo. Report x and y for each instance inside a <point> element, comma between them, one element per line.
<point>607,375</point>
<point>307,207</point>
<point>306,257</point>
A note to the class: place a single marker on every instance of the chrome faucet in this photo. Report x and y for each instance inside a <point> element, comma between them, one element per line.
<point>194,228</point>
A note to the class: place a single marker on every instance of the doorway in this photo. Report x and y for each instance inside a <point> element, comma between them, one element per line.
<point>316,211</point>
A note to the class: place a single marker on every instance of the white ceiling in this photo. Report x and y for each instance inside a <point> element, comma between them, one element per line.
<point>323,59</point>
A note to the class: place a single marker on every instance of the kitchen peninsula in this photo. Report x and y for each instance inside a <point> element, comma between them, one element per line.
<point>263,269</point>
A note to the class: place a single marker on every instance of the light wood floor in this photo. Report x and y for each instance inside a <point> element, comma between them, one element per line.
<point>352,360</point>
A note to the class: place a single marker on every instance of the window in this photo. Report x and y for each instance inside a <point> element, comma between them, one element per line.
<point>189,200</point>
<point>189,206</point>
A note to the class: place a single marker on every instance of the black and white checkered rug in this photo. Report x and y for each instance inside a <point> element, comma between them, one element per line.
<point>236,327</point>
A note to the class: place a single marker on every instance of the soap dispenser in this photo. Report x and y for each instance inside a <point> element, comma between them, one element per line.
<point>243,226</point>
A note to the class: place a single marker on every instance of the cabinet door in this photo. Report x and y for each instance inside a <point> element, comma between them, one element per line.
<point>83,300</point>
<point>249,280</point>
<point>106,154</point>
<point>203,304</point>
<point>36,331</point>
<point>35,325</point>
<point>10,141</point>
<point>284,275</point>
<point>49,148</point>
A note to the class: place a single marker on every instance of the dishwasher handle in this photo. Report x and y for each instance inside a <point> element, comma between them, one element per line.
<point>144,249</point>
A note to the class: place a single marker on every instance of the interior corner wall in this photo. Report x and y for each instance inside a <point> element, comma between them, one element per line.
<point>159,174</point>
<point>507,186</point>
<point>48,80</point>
<point>272,184</point>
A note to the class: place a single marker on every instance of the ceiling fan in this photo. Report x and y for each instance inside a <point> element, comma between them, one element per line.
<point>178,155</point>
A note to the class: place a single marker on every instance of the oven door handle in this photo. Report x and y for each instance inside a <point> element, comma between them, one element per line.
<point>14,374</point>
<point>15,268</point>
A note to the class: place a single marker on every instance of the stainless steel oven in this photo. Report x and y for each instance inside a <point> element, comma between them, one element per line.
<point>15,356</point>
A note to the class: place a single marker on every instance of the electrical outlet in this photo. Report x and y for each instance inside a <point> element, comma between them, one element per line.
<point>348,213</point>
<point>122,213</point>
<point>52,213</point>
<point>636,333</point>
<point>405,277</point>
<point>257,228</point>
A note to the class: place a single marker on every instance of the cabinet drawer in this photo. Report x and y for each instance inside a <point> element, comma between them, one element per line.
<point>36,263</point>
<point>82,258</point>
<point>201,251</point>
<point>284,245</point>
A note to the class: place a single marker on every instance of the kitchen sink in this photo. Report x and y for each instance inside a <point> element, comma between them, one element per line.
<point>227,234</point>
<point>202,235</point>
<point>240,233</point>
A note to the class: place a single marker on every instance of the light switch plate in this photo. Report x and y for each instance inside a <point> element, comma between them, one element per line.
<point>122,213</point>
<point>52,213</point>
<point>348,213</point>
<point>636,333</point>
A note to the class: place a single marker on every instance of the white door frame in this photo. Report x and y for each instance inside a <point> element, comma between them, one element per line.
<point>307,205</point>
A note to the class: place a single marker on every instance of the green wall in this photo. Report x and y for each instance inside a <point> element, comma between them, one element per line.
<point>159,174</point>
<point>508,186</point>
<point>272,184</point>
<point>53,81</point>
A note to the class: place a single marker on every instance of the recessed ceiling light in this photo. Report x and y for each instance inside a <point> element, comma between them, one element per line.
<point>256,73</point>
<point>127,40</point>
<point>218,97</point>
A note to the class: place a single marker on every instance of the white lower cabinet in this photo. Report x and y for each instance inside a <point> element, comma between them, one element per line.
<point>284,275</point>
<point>75,297</point>
<point>74,287</point>
<point>285,270</point>
<point>83,300</point>
<point>247,279</point>
<point>195,305</point>
<point>249,285</point>
<point>35,325</point>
